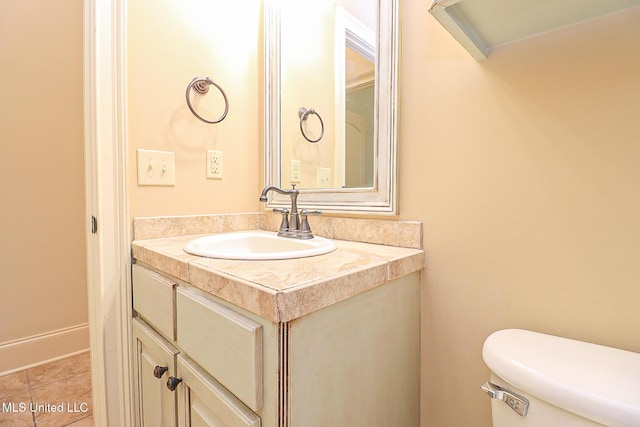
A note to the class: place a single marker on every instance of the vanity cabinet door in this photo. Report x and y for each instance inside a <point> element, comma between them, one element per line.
<point>202,401</point>
<point>154,363</point>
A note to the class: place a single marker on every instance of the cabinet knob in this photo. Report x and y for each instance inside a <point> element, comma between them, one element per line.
<point>159,371</point>
<point>173,382</point>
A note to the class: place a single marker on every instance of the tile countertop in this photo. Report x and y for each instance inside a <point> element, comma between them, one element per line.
<point>283,290</point>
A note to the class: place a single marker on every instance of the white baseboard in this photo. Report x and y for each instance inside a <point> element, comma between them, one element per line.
<point>35,350</point>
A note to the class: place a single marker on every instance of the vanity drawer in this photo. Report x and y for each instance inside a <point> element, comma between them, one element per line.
<point>153,299</point>
<point>225,343</point>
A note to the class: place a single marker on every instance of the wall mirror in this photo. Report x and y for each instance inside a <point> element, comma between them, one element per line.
<point>330,103</point>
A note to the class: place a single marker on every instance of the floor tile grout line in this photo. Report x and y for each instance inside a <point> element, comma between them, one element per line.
<point>78,420</point>
<point>63,376</point>
<point>59,379</point>
<point>33,415</point>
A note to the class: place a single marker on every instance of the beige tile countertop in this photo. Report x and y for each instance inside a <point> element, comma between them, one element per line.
<point>283,290</point>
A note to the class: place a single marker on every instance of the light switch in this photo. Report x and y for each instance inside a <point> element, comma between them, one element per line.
<point>156,167</point>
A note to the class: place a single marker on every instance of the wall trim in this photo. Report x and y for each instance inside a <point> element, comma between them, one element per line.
<point>27,352</point>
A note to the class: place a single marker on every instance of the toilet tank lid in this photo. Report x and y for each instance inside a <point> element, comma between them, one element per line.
<point>596,382</point>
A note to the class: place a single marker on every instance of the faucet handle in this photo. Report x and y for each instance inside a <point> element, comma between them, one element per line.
<point>284,224</point>
<point>305,228</point>
<point>308,212</point>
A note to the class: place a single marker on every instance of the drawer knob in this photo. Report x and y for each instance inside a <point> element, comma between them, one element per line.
<point>159,371</point>
<point>173,382</point>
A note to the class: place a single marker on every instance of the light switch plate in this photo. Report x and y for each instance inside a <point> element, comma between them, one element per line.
<point>156,167</point>
<point>323,177</point>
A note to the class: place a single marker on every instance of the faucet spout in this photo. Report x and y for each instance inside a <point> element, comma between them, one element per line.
<point>263,195</point>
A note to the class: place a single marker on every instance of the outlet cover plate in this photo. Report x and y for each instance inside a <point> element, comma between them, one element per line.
<point>214,164</point>
<point>295,171</point>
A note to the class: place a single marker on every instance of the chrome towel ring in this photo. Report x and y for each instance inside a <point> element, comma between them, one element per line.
<point>201,85</point>
<point>303,113</point>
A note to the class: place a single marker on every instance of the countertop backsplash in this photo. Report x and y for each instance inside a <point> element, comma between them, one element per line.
<point>406,234</point>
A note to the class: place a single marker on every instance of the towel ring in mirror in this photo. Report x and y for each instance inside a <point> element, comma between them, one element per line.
<point>303,114</point>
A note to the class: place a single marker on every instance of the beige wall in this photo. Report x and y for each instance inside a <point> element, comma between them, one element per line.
<point>169,43</point>
<point>42,218</point>
<point>525,170</point>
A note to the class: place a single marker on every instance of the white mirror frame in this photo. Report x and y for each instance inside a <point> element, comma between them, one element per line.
<point>380,199</point>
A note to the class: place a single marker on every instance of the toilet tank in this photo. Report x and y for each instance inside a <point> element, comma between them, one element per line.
<point>565,382</point>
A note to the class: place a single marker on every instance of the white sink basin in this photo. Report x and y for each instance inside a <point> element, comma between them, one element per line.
<point>257,245</point>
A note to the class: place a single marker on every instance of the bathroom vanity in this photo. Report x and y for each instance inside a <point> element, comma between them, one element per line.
<point>329,340</point>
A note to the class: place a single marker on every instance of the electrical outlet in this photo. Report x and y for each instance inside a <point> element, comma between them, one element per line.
<point>156,167</point>
<point>214,164</point>
<point>295,171</point>
<point>323,177</point>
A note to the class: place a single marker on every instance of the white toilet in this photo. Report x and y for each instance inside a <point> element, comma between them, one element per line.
<point>540,380</point>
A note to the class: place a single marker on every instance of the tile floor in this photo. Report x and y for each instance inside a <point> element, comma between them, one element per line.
<point>56,394</point>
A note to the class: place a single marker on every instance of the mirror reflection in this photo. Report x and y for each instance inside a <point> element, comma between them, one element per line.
<point>327,65</point>
<point>331,77</point>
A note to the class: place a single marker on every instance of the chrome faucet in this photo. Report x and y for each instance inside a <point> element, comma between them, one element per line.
<point>291,226</point>
<point>293,220</point>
